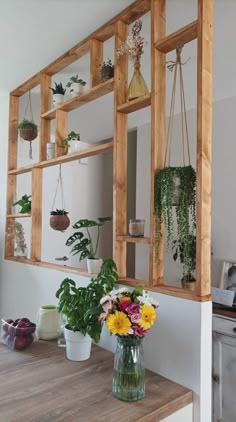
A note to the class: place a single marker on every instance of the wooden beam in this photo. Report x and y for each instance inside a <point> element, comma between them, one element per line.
<point>36,213</point>
<point>61,131</point>
<point>26,86</point>
<point>179,38</point>
<point>45,105</point>
<point>135,105</point>
<point>21,170</point>
<point>96,60</point>
<point>158,134</point>
<point>120,153</point>
<point>204,146</point>
<point>130,239</point>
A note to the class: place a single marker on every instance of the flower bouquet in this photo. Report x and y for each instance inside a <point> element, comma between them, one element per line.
<point>128,315</point>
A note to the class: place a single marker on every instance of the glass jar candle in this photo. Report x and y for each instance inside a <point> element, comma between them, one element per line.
<point>136,228</point>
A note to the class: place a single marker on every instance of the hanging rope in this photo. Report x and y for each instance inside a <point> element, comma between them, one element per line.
<point>29,106</point>
<point>59,185</point>
<point>177,66</point>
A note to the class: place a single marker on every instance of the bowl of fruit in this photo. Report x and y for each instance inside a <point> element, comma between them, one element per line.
<point>17,334</point>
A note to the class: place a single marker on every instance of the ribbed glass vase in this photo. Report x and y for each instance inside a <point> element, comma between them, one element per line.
<point>137,87</point>
<point>129,372</point>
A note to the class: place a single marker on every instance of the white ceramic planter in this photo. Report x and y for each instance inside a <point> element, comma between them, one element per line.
<point>78,346</point>
<point>76,146</point>
<point>47,323</point>
<point>57,99</point>
<point>94,265</point>
<point>76,89</point>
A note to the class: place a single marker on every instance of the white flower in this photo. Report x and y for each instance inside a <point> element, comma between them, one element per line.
<point>145,299</point>
<point>105,299</point>
<point>123,290</point>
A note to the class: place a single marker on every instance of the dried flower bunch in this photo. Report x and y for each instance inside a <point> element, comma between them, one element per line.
<point>133,46</point>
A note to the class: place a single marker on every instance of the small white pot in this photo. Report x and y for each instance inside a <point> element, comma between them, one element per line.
<point>76,146</point>
<point>76,89</point>
<point>57,99</point>
<point>78,346</point>
<point>94,265</point>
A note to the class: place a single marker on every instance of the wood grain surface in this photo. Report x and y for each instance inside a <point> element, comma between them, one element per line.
<point>40,384</point>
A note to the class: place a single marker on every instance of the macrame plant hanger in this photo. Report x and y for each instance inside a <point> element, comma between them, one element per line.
<point>59,187</point>
<point>32,134</point>
<point>176,66</point>
<point>59,219</point>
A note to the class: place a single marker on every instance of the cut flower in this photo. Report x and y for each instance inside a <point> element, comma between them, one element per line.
<point>148,317</point>
<point>118,323</point>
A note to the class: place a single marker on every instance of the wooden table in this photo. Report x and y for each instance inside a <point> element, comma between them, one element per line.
<point>39,384</point>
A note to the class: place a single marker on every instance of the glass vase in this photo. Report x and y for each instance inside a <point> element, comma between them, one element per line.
<point>137,87</point>
<point>129,373</point>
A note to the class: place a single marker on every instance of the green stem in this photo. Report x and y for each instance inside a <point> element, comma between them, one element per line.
<point>91,244</point>
<point>98,235</point>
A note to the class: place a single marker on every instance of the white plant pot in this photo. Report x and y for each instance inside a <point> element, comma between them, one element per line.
<point>76,89</point>
<point>57,99</point>
<point>94,265</point>
<point>76,146</point>
<point>78,346</point>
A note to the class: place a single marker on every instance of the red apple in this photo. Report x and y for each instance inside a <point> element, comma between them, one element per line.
<point>30,339</point>
<point>21,329</point>
<point>17,320</point>
<point>31,328</point>
<point>26,320</point>
<point>21,342</point>
<point>10,341</point>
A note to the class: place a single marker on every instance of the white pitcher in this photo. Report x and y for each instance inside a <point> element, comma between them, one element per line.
<point>47,322</point>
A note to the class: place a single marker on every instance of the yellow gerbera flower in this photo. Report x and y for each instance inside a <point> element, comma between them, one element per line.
<point>148,316</point>
<point>118,323</point>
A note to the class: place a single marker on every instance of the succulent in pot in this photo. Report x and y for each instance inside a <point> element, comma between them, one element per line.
<point>107,70</point>
<point>87,246</point>
<point>58,93</point>
<point>76,85</point>
<point>59,220</point>
<point>28,130</point>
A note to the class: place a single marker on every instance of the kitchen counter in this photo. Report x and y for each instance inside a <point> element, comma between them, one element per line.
<point>225,312</point>
<point>40,384</point>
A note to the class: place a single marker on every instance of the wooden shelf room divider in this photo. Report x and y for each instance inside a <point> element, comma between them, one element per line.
<point>201,29</point>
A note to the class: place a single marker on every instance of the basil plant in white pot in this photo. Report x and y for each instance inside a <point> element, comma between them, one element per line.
<point>87,245</point>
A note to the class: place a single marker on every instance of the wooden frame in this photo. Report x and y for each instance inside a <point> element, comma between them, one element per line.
<point>201,29</point>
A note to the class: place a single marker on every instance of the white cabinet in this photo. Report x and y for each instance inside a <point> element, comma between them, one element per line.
<point>224,369</point>
<point>183,415</point>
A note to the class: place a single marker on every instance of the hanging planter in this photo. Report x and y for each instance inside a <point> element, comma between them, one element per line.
<point>175,190</point>
<point>59,219</point>
<point>28,130</point>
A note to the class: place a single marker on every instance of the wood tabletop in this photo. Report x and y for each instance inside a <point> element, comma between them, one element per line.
<point>225,312</point>
<point>39,384</point>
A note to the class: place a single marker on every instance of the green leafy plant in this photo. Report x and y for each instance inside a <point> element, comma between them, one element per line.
<point>58,89</point>
<point>85,245</point>
<point>186,253</point>
<point>75,80</point>
<point>59,212</point>
<point>25,203</point>
<point>183,211</point>
<point>107,70</point>
<point>28,124</point>
<point>70,137</point>
<point>81,305</point>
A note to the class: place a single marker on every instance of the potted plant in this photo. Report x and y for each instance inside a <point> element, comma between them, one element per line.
<point>107,70</point>
<point>76,85</point>
<point>186,253</point>
<point>81,307</point>
<point>58,94</point>
<point>86,245</point>
<point>28,130</point>
<point>182,209</point>
<point>25,204</point>
<point>59,220</point>
<point>72,141</point>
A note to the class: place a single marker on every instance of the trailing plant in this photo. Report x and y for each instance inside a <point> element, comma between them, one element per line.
<point>81,305</point>
<point>59,212</point>
<point>25,204</point>
<point>58,89</point>
<point>186,253</point>
<point>28,124</point>
<point>70,137</point>
<point>184,211</point>
<point>86,246</point>
<point>107,70</point>
<point>75,80</point>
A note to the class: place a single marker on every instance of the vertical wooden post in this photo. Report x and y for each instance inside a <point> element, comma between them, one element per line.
<point>96,59</point>
<point>12,164</point>
<point>158,116</point>
<point>204,144</point>
<point>45,105</point>
<point>120,153</point>
<point>36,212</point>
<point>61,131</point>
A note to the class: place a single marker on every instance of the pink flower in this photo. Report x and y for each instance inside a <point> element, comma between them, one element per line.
<point>133,308</point>
<point>135,318</point>
<point>107,306</point>
<point>138,331</point>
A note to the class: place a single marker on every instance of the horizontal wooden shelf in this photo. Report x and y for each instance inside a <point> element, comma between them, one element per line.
<point>91,94</point>
<point>135,105</point>
<point>98,149</point>
<point>127,281</point>
<point>130,239</point>
<point>21,170</point>
<point>18,215</point>
<point>179,38</point>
